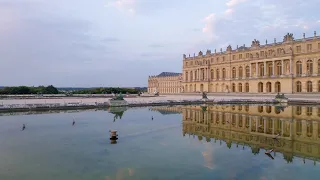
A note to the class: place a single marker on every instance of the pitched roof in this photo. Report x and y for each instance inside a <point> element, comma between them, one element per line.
<point>163,74</point>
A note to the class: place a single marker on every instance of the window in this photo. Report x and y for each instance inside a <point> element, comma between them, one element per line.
<point>299,68</point>
<point>247,72</point>
<point>309,47</point>
<point>262,53</point>
<point>247,87</point>
<point>298,110</point>
<point>298,48</point>
<point>217,59</point>
<point>318,86</point>
<point>218,73</point>
<point>309,86</point>
<point>240,72</point>
<point>222,58</point>
<point>277,87</point>
<point>186,76</point>
<point>239,87</point>
<point>240,56</point>
<point>247,55</point>
<point>319,66</point>
<point>260,87</point>
<point>191,75</point>
<point>233,87</point>
<point>211,60</point>
<point>212,74</point>
<point>223,73</point>
<point>309,67</point>
<point>268,86</point>
<point>234,72</point>
<point>279,68</point>
<point>234,57</point>
<point>298,86</point>
<point>318,45</point>
<point>270,69</point>
<point>261,69</point>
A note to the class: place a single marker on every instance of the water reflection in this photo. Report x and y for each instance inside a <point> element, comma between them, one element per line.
<point>292,131</point>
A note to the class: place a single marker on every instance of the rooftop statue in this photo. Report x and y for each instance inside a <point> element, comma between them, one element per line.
<point>288,37</point>
<point>118,97</point>
<point>255,43</point>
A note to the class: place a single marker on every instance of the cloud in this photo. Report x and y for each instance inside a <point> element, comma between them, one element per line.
<point>235,2</point>
<point>124,5</point>
<point>229,11</point>
<point>209,27</point>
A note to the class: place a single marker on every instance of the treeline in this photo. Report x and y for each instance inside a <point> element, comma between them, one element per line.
<point>106,91</point>
<point>29,90</point>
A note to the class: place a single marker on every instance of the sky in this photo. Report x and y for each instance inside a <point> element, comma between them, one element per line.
<point>119,43</point>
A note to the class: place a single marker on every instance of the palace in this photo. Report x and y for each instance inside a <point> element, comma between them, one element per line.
<point>165,83</point>
<point>290,66</point>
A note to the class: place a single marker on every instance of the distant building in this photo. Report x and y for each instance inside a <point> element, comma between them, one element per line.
<point>165,83</point>
<point>289,66</point>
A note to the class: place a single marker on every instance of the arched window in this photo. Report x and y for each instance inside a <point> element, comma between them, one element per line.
<point>212,74</point>
<point>279,68</point>
<point>270,69</point>
<point>268,86</point>
<point>247,87</point>
<point>240,87</point>
<point>218,73</point>
<point>233,87</point>
<point>277,86</point>
<point>299,68</point>
<point>298,86</point>
<point>247,72</point>
<point>309,67</point>
<point>261,69</point>
<point>309,111</point>
<point>234,72</point>
<point>223,73</point>
<point>260,87</point>
<point>191,76</point>
<point>309,86</point>
<point>240,72</point>
<point>268,109</point>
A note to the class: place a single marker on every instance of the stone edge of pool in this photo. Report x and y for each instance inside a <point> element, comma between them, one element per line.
<point>166,103</point>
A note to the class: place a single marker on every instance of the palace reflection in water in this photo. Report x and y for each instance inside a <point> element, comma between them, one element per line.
<point>297,127</point>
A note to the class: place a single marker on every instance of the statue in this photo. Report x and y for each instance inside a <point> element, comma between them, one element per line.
<point>200,53</point>
<point>229,48</point>
<point>255,43</point>
<point>288,37</point>
<point>118,97</point>
<point>204,95</point>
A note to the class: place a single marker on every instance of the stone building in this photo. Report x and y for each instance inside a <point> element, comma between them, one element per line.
<point>165,83</point>
<point>290,66</point>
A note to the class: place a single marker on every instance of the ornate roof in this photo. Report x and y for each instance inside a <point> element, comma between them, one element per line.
<point>164,74</point>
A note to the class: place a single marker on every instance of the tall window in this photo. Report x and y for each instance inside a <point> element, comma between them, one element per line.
<point>218,74</point>
<point>318,86</point>
<point>247,72</point>
<point>309,67</point>
<point>191,75</point>
<point>247,87</point>
<point>261,69</point>
<point>319,66</point>
<point>186,76</point>
<point>309,86</point>
<point>240,87</point>
<point>233,87</point>
<point>223,73</point>
<point>299,68</point>
<point>298,86</point>
<point>260,87</point>
<point>212,74</point>
<point>234,72</point>
<point>298,49</point>
<point>277,87</point>
<point>279,68</point>
<point>270,69</point>
<point>309,47</point>
<point>240,72</point>
<point>268,86</point>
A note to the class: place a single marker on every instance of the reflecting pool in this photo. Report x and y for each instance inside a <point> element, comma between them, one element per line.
<point>179,142</point>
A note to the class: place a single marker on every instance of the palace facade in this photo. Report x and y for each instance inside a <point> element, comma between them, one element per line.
<point>165,83</point>
<point>290,66</point>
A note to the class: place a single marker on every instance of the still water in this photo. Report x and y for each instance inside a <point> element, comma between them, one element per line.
<point>183,142</point>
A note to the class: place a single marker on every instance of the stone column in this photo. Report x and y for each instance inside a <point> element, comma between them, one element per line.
<point>282,65</point>
<point>272,126</point>
<point>256,124</point>
<point>265,68</point>
<point>250,70</point>
<point>264,125</point>
<point>257,70</point>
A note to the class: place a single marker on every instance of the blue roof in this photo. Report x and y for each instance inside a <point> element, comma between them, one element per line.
<point>164,74</point>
